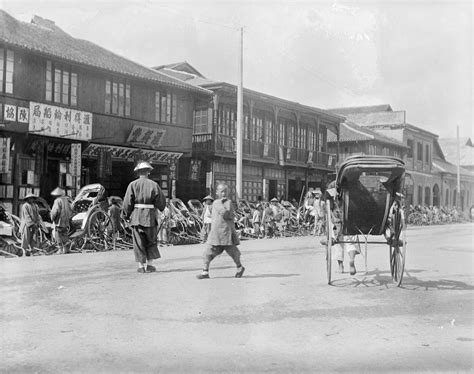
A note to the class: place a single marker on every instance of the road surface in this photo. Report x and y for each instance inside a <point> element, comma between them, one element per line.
<point>94,313</point>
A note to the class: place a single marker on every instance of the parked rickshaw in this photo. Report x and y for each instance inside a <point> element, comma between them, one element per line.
<point>367,200</point>
<point>91,220</point>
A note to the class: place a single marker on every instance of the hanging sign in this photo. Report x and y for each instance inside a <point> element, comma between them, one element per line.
<point>76,159</point>
<point>194,169</point>
<point>145,136</point>
<point>50,120</point>
<point>9,113</point>
<point>4,155</point>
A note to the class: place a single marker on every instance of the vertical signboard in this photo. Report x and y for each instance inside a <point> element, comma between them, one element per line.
<point>4,155</point>
<point>76,159</point>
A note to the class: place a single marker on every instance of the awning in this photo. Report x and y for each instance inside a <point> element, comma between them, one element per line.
<point>130,154</point>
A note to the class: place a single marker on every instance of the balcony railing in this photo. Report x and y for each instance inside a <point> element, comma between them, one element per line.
<point>224,144</point>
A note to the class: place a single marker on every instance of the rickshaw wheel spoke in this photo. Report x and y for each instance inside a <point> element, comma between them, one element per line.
<point>398,247</point>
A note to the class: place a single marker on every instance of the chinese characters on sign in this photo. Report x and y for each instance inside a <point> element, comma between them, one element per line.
<point>145,136</point>
<point>130,154</point>
<point>61,122</point>
<point>76,159</point>
<point>194,170</point>
<point>9,113</point>
<point>4,155</point>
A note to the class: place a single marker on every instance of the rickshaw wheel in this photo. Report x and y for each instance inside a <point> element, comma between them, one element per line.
<point>97,226</point>
<point>329,242</point>
<point>397,247</point>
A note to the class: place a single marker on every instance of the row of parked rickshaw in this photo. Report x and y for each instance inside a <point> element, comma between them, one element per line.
<point>363,202</point>
<point>91,228</point>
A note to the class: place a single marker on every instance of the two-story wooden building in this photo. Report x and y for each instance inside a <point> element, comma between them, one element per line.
<point>73,113</point>
<point>284,143</point>
<point>429,179</point>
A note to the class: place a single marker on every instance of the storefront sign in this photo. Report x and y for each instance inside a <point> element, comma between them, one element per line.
<point>129,154</point>
<point>23,114</point>
<point>194,170</point>
<point>76,159</point>
<point>4,155</point>
<point>310,157</point>
<point>9,113</point>
<point>60,122</point>
<point>145,136</point>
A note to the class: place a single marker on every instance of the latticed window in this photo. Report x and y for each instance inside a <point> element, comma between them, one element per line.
<point>61,84</point>
<point>117,98</point>
<point>201,121</point>
<point>7,58</point>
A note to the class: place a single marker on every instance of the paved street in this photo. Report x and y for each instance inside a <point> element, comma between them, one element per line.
<point>94,313</point>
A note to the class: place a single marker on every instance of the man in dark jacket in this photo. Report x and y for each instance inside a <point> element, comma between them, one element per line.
<point>140,204</point>
<point>222,236</point>
<point>61,214</point>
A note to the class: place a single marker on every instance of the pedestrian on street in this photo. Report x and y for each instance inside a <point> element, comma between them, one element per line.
<point>142,199</point>
<point>114,213</point>
<point>206,217</point>
<point>30,222</point>
<point>222,236</point>
<point>164,224</point>
<point>257,220</point>
<point>61,214</point>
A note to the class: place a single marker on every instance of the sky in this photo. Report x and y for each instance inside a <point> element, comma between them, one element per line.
<point>414,55</point>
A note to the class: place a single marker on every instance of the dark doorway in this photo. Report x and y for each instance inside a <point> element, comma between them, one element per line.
<point>272,189</point>
<point>50,181</point>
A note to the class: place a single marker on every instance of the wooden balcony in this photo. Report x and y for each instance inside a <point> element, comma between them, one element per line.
<point>225,146</point>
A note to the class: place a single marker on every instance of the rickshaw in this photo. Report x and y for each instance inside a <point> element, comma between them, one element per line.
<point>91,220</point>
<point>367,201</point>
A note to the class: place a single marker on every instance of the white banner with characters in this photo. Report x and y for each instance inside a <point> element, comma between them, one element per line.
<point>50,120</point>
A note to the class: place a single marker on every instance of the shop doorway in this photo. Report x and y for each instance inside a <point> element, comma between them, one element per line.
<point>272,189</point>
<point>50,180</point>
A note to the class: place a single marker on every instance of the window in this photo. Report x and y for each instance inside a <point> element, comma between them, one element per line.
<point>6,70</point>
<point>302,137</point>
<point>322,139</point>
<point>268,131</point>
<point>419,152</point>
<point>372,149</point>
<point>291,135</point>
<point>410,148</point>
<point>257,129</point>
<point>166,107</point>
<point>61,84</point>
<point>427,153</point>
<point>281,132</point>
<point>201,122</point>
<point>117,98</point>
<point>420,195</point>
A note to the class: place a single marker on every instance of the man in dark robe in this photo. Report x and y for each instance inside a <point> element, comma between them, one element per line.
<point>140,204</point>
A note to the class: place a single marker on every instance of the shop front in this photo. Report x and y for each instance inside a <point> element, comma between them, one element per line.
<point>112,166</point>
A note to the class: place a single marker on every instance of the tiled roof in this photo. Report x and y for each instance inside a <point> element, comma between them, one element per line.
<point>362,109</point>
<point>46,38</point>
<point>351,132</point>
<point>447,167</point>
<point>449,147</point>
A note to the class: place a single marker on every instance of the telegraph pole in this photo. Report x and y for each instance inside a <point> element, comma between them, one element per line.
<point>240,111</point>
<point>458,184</point>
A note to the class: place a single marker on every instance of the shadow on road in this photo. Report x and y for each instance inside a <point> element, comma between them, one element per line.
<point>265,276</point>
<point>377,278</point>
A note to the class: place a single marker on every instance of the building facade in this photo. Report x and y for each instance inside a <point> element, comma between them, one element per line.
<point>430,180</point>
<point>73,113</point>
<point>285,150</point>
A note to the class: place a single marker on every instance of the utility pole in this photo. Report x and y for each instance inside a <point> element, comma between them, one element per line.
<point>240,112</point>
<point>458,185</point>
